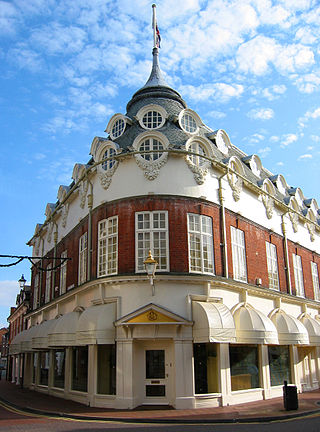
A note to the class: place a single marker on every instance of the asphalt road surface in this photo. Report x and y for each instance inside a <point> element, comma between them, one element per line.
<point>15,420</point>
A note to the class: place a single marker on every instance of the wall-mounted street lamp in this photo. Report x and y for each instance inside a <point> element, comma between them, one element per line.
<point>150,265</point>
<point>22,282</point>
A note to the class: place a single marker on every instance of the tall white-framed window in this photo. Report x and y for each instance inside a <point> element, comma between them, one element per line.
<point>315,280</point>
<point>82,274</point>
<point>108,246</point>
<point>152,234</point>
<point>200,242</point>
<point>63,273</point>
<point>36,291</point>
<point>238,255</point>
<point>298,275</point>
<point>272,264</point>
<point>48,283</point>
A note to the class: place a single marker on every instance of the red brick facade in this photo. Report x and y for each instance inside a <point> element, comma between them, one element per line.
<point>178,208</point>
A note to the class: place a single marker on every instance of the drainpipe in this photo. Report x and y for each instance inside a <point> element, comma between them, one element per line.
<point>89,252</point>
<point>223,229</point>
<point>55,239</point>
<point>286,254</point>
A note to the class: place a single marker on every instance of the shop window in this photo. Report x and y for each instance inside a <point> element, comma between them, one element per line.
<point>63,273</point>
<point>108,246</point>
<point>34,367</point>
<point>200,244</point>
<point>106,373</point>
<point>152,234</point>
<point>44,367</point>
<point>244,367</point>
<point>238,255</point>
<point>206,368</point>
<point>315,280</point>
<point>83,259</point>
<point>59,357</point>
<point>279,364</point>
<point>298,275</point>
<point>80,368</point>
<point>272,264</point>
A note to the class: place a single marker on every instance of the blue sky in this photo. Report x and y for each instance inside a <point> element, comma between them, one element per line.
<point>250,67</point>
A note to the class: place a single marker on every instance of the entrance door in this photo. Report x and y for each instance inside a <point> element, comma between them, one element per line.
<point>157,371</point>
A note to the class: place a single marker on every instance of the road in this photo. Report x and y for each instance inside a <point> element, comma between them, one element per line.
<point>12,420</point>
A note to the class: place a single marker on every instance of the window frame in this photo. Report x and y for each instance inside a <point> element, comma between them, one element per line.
<point>238,252</point>
<point>298,275</point>
<point>36,291</point>
<point>315,280</point>
<point>48,286</point>
<point>202,234</point>
<point>83,258</point>
<point>151,230</point>
<point>194,116</point>
<point>152,108</point>
<point>272,266</point>
<point>107,239</point>
<point>63,274</point>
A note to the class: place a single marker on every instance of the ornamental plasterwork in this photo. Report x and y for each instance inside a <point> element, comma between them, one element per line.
<point>312,230</point>
<point>268,202</point>
<point>294,220</point>
<point>106,175</point>
<point>83,189</point>
<point>151,169</point>
<point>235,183</point>
<point>64,214</point>
<point>50,230</point>
<point>199,173</point>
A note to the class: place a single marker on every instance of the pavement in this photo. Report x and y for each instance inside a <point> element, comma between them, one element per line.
<point>30,401</point>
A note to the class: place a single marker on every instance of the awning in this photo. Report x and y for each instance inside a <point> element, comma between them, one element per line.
<point>15,345</point>
<point>313,328</point>
<point>253,327</point>
<point>95,325</point>
<point>40,336</point>
<point>64,331</point>
<point>213,322</point>
<point>290,330</point>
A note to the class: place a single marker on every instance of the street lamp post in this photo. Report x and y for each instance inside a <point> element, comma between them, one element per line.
<point>150,265</point>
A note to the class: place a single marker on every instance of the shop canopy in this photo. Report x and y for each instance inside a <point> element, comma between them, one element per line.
<point>95,325</point>
<point>253,327</point>
<point>313,328</point>
<point>291,331</point>
<point>213,322</point>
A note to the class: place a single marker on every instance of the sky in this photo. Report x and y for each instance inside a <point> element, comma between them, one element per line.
<point>250,67</point>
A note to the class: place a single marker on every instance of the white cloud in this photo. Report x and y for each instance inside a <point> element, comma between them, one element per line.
<point>254,139</point>
<point>263,152</point>
<point>261,114</point>
<point>280,164</point>
<point>274,92</point>
<point>308,83</point>
<point>305,156</point>
<point>26,58</point>
<point>8,18</point>
<point>8,293</point>
<point>287,139</point>
<point>216,114</point>
<point>217,92</point>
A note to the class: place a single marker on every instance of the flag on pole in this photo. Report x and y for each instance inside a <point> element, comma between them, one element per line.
<point>158,37</point>
<point>156,33</point>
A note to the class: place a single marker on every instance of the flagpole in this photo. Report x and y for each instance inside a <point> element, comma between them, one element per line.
<point>154,26</point>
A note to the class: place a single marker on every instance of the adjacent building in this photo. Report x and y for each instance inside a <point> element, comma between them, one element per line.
<point>233,308</point>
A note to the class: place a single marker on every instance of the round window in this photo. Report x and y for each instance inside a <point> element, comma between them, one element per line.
<point>188,123</point>
<point>152,120</point>
<point>117,128</point>
<point>108,164</point>
<point>196,159</point>
<point>151,144</point>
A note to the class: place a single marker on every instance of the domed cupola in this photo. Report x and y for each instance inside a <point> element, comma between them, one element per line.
<point>155,89</point>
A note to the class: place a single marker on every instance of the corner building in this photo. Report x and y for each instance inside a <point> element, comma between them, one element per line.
<point>234,309</point>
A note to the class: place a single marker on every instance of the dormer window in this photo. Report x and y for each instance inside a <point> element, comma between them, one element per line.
<point>151,144</point>
<point>117,125</point>
<point>109,163</point>
<point>198,148</point>
<point>152,116</point>
<point>189,121</point>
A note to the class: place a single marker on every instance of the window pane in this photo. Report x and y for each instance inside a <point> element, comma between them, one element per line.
<point>238,255</point>
<point>206,368</point>
<point>59,368</point>
<point>244,367</point>
<point>106,377</point>
<point>44,367</point>
<point>200,244</point>
<point>279,364</point>
<point>80,368</point>
<point>155,364</point>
